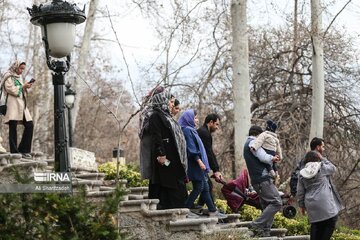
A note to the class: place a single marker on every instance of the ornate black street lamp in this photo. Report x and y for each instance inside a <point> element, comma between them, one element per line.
<point>57,20</point>
<point>69,103</point>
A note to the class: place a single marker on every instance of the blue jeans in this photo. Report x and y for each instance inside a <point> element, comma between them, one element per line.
<point>203,188</point>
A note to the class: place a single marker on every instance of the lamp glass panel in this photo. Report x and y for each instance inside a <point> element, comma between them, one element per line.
<point>61,38</point>
<point>69,100</point>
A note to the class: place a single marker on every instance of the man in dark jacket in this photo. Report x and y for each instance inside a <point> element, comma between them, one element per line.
<point>211,124</point>
<point>316,144</point>
<point>257,162</point>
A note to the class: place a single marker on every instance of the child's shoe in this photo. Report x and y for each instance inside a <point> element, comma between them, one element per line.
<point>272,174</point>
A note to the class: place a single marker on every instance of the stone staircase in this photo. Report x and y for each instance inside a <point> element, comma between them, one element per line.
<point>25,167</point>
<point>138,217</point>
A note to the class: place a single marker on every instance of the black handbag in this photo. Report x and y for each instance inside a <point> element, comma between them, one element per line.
<point>3,108</point>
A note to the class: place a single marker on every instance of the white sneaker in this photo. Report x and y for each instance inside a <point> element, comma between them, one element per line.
<point>192,215</point>
<point>217,214</point>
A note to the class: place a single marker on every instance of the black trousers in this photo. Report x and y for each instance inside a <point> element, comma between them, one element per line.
<point>169,197</point>
<point>323,230</point>
<point>25,144</point>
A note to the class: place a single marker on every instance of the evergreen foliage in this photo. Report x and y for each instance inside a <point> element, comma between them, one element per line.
<point>297,226</point>
<point>58,216</point>
<point>128,172</point>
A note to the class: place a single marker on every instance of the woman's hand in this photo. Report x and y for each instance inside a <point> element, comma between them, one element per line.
<point>201,164</point>
<point>161,160</point>
<point>27,85</point>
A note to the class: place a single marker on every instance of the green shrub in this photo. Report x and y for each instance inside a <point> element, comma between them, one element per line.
<point>249,213</point>
<point>58,216</point>
<point>128,172</point>
<point>296,226</point>
<point>222,206</point>
<point>344,233</point>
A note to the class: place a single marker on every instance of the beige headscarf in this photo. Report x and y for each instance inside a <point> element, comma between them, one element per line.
<point>12,70</point>
<point>14,66</point>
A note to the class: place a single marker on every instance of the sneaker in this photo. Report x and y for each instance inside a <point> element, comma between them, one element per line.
<point>198,211</point>
<point>266,234</point>
<point>258,232</point>
<point>192,215</point>
<point>217,214</point>
<point>26,155</point>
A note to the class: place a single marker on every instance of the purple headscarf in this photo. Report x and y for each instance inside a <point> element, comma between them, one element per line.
<point>187,121</point>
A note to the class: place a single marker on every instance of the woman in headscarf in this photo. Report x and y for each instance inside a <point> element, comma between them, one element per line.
<point>168,154</point>
<point>144,135</point>
<point>317,195</point>
<point>198,165</point>
<point>17,111</point>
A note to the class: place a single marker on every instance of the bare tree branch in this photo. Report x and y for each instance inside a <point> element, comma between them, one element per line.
<point>333,20</point>
<point>124,58</point>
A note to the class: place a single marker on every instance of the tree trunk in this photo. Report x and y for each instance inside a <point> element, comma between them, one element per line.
<point>83,56</point>
<point>241,82</point>
<point>317,112</point>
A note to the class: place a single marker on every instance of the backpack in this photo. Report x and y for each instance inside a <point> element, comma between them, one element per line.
<point>295,177</point>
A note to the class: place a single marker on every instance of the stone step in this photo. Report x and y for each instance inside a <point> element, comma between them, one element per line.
<point>243,224</point>
<point>275,233</point>
<point>137,205</point>
<point>299,237</point>
<point>15,156</point>
<point>204,225</point>
<point>136,197</point>
<point>4,159</point>
<point>50,168</point>
<point>112,183</point>
<point>12,158</point>
<point>226,225</point>
<point>279,232</point>
<point>90,176</point>
<point>90,185</point>
<point>51,162</point>
<point>232,218</point>
<point>38,156</point>
<point>106,188</point>
<point>99,193</point>
<point>32,166</point>
<point>139,190</point>
<point>5,155</point>
<point>228,233</point>
<point>3,162</point>
<point>79,169</point>
<point>165,215</point>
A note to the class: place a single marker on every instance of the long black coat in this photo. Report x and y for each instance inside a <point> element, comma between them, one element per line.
<point>163,143</point>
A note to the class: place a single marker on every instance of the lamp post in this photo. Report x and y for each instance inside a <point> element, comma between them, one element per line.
<point>69,102</point>
<point>57,20</point>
